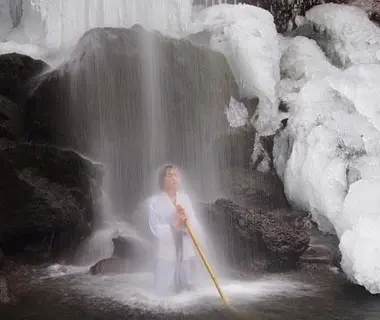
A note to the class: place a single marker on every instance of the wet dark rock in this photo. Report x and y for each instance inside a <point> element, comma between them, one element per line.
<point>251,105</point>
<point>323,251</point>
<point>115,265</point>
<point>130,254</point>
<point>251,188</point>
<point>201,38</point>
<point>11,120</point>
<point>1,258</point>
<point>110,266</point>
<point>5,294</point>
<point>297,219</point>
<point>375,17</point>
<point>132,248</point>
<point>17,72</point>
<point>48,198</point>
<point>254,237</point>
<point>236,145</point>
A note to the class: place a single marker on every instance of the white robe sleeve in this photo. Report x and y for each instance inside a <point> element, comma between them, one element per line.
<point>160,229</point>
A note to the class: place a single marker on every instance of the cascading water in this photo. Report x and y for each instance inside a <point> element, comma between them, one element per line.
<point>135,100</point>
<point>59,23</point>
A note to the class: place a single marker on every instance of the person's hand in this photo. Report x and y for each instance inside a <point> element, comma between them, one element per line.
<point>181,216</point>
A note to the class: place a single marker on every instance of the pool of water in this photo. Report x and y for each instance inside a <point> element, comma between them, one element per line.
<point>74,294</point>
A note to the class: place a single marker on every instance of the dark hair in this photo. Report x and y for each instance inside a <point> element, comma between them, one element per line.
<point>162,174</point>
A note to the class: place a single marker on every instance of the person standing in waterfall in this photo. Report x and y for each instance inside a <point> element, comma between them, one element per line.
<point>169,211</point>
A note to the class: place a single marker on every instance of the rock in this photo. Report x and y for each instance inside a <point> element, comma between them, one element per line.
<point>237,146</point>
<point>254,238</point>
<point>323,251</point>
<point>48,198</point>
<point>113,266</point>
<point>11,120</point>
<point>16,74</point>
<point>1,258</point>
<point>254,189</point>
<point>5,295</point>
<point>297,219</point>
<point>130,254</point>
<point>119,89</point>
<point>130,248</point>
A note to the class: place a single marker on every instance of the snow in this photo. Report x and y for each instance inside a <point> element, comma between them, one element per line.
<point>247,36</point>
<point>303,60</point>
<point>236,113</point>
<point>329,154</point>
<point>354,39</point>
<point>360,245</point>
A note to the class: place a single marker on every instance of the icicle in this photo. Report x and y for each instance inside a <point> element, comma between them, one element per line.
<point>64,21</point>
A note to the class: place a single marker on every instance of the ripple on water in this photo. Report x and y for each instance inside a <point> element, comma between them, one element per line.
<point>134,290</point>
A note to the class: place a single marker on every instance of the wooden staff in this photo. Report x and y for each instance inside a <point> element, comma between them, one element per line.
<point>207,265</point>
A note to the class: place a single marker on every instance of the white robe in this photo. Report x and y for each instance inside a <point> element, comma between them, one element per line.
<point>162,214</point>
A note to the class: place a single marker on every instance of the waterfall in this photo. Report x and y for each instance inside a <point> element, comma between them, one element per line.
<point>133,99</point>
<point>60,23</point>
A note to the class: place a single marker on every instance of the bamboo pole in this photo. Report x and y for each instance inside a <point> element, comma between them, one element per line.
<point>207,265</point>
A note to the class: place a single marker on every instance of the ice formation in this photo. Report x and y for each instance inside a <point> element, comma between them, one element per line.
<point>247,36</point>
<point>236,113</point>
<point>329,154</point>
<point>353,38</point>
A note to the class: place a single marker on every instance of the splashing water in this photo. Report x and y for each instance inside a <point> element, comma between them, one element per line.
<point>134,290</point>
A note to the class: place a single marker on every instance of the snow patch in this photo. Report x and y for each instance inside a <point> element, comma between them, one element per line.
<point>236,113</point>
<point>329,154</point>
<point>247,36</point>
<point>353,38</point>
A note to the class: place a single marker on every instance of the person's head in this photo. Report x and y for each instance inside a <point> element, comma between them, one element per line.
<point>169,179</point>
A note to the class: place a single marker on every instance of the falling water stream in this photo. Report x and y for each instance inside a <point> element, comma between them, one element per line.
<point>134,100</point>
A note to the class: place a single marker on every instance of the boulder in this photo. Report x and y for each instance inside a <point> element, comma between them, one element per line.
<point>323,251</point>
<point>17,72</point>
<point>48,198</point>
<point>1,258</point>
<point>117,266</point>
<point>5,295</point>
<point>130,254</point>
<point>136,100</point>
<point>11,120</point>
<point>254,189</point>
<point>110,266</point>
<point>254,239</point>
<point>132,248</point>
